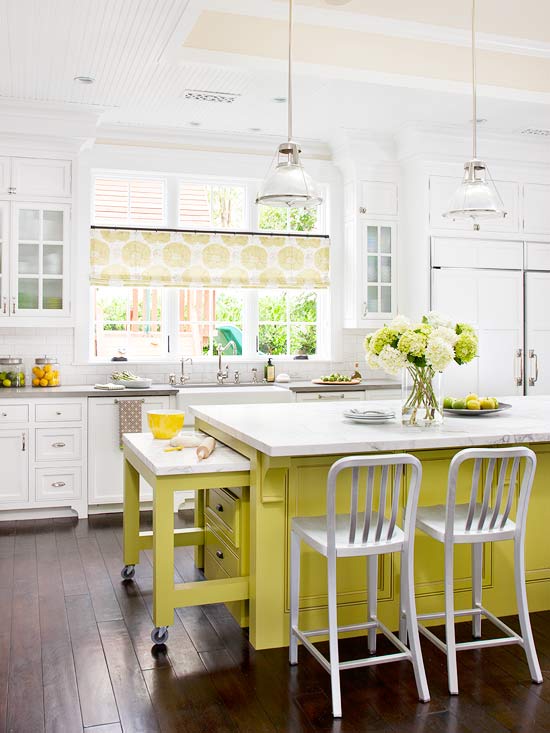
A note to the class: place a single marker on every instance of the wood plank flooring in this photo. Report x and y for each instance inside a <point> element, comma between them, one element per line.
<point>75,655</point>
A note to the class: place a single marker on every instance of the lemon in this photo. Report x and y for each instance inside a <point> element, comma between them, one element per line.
<point>471,396</point>
<point>43,382</point>
<point>459,404</point>
<point>7,382</point>
<point>473,405</point>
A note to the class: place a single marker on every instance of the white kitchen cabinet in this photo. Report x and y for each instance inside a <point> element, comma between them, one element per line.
<point>4,269</point>
<point>492,302</point>
<point>377,198</point>
<point>537,332</point>
<point>14,459</point>
<point>536,208</point>
<point>41,177</point>
<point>443,187</point>
<point>105,458</point>
<point>377,275</point>
<point>5,176</point>
<point>493,254</point>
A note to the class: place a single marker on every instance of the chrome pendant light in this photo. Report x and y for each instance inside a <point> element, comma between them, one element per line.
<point>287,183</point>
<point>477,196</point>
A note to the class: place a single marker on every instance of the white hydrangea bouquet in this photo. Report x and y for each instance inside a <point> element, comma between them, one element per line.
<point>420,351</point>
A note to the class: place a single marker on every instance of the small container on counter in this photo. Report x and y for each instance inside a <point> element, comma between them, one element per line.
<point>45,372</point>
<point>12,373</point>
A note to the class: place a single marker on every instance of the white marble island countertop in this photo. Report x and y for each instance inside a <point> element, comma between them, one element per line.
<point>310,429</point>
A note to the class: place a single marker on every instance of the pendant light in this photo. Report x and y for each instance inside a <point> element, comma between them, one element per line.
<point>287,183</point>
<point>477,196</point>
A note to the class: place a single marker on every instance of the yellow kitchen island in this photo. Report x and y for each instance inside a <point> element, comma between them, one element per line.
<point>291,448</point>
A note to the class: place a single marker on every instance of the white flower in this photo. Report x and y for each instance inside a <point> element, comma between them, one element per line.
<point>447,334</point>
<point>373,361</point>
<point>400,324</point>
<point>438,319</point>
<point>392,360</point>
<point>439,353</point>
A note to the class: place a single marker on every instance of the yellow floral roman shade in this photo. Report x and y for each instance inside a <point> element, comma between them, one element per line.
<point>145,258</point>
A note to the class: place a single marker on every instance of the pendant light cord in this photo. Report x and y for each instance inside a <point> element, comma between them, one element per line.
<point>474,91</point>
<point>289,105</point>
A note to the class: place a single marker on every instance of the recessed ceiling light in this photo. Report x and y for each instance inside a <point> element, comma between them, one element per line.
<point>195,124</point>
<point>84,79</point>
<point>279,100</point>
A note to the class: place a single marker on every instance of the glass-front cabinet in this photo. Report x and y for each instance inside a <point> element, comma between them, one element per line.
<point>378,271</point>
<point>4,272</point>
<point>38,260</point>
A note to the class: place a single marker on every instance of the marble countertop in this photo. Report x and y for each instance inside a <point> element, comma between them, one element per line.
<point>151,452</point>
<point>366,384</point>
<point>310,429</point>
<point>85,390</point>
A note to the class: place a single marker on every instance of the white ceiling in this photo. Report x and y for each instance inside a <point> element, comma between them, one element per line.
<point>139,55</point>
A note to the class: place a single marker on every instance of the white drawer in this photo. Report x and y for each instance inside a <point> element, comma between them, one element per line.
<point>329,396</point>
<point>57,412</point>
<point>58,444</point>
<point>58,483</point>
<point>14,413</point>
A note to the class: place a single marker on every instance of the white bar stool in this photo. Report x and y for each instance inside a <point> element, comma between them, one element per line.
<point>367,533</point>
<point>486,520</point>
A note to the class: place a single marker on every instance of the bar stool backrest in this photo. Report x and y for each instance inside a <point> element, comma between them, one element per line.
<point>494,511</point>
<point>371,527</point>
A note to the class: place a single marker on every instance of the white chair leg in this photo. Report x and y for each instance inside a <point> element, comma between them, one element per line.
<point>408,602</point>
<point>403,595</point>
<point>477,560</point>
<point>333,639</point>
<point>523,612</point>
<point>372,598</point>
<point>450,620</point>
<point>294,595</point>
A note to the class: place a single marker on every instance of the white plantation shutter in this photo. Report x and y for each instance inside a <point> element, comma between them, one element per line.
<point>194,205</point>
<point>129,201</point>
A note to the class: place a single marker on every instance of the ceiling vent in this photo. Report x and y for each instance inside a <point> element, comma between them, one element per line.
<point>535,132</point>
<point>200,95</point>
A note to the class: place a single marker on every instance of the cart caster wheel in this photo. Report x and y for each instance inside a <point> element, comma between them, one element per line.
<point>128,572</point>
<point>159,635</point>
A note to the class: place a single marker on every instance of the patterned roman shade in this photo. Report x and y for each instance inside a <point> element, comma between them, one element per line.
<point>164,258</point>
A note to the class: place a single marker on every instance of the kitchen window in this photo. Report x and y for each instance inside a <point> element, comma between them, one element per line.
<point>156,323</point>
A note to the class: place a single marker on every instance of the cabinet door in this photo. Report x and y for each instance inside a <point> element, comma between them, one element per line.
<point>537,328</point>
<point>378,198</point>
<point>105,484</point>
<point>14,477</point>
<point>536,208</point>
<point>5,176</point>
<point>492,301</point>
<point>378,271</point>
<point>41,177</point>
<point>443,187</point>
<point>39,260</point>
<point>4,261</point>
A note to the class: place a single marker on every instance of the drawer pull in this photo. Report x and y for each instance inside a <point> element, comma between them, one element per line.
<point>58,412</point>
<point>58,445</point>
<point>4,414</point>
<point>330,397</point>
<point>58,484</point>
<point>219,554</point>
<point>219,507</point>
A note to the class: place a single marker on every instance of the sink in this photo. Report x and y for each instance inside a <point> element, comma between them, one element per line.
<point>228,394</point>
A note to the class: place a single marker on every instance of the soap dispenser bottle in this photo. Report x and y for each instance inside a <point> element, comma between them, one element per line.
<point>269,371</point>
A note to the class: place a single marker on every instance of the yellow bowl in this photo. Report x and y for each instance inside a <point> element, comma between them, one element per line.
<point>165,424</point>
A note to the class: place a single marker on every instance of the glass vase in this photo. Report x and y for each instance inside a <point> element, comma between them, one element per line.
<point>421,397</point>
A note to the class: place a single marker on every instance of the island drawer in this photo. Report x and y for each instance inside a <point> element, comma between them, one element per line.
<point>14,413</point>
<point>57,412</point>
<point>223,511</point>
<point>219,551</point>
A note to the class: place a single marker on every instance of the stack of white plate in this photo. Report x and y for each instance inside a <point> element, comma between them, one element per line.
<point>370,414</point>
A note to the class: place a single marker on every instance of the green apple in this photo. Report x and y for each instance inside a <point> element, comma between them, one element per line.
<point>459,404</point>
<point>448,402</point>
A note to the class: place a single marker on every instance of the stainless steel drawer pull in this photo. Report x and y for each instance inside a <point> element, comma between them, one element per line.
<point>58,484</point>
<point>219,507</point>
<point>219,554</point>
<point>58,445</point>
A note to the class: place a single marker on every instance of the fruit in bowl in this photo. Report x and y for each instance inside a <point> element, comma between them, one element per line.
<point>471,402</point>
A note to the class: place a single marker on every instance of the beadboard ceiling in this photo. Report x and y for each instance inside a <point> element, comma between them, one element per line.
<point>369,64</point>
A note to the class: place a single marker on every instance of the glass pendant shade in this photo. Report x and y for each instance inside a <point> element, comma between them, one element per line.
<point>288,184</point>
<point>477,196</point>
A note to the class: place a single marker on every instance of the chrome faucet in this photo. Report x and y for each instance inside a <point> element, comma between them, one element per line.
<point>185,377</point>
<point>221,376</point>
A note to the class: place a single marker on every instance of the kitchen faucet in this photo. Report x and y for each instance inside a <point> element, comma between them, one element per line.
<point>185,377</point>
<point>221,376</point>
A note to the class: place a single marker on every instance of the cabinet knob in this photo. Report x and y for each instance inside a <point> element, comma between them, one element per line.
<point>58,412</point>
<point>362,210</point>
<point>219,507</point>
<point>4,414</point>
<point>219,554</point>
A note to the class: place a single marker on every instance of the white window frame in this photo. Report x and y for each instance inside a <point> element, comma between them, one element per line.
<point>125,176</point>
<point>170,320</point>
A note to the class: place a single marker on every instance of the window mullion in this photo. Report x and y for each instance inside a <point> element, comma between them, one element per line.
<point>250,323</point>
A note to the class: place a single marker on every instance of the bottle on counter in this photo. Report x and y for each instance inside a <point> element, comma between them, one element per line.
<point>269,371</point>
<point>45,372</point>
<point>356,374</point>
<point>12,373</point>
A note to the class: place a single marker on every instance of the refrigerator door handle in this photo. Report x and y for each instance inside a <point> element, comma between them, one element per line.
<point>533,379</point>
<point>519,377</point>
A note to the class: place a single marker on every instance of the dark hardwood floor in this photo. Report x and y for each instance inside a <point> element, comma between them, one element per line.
<point>75,655</point>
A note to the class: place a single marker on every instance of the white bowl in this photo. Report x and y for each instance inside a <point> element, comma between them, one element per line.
<point>142,383</point>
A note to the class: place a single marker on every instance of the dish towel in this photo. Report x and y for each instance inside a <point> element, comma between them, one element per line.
<point>129,417</point>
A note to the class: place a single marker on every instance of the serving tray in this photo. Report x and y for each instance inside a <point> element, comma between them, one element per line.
<point>476,413</point>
